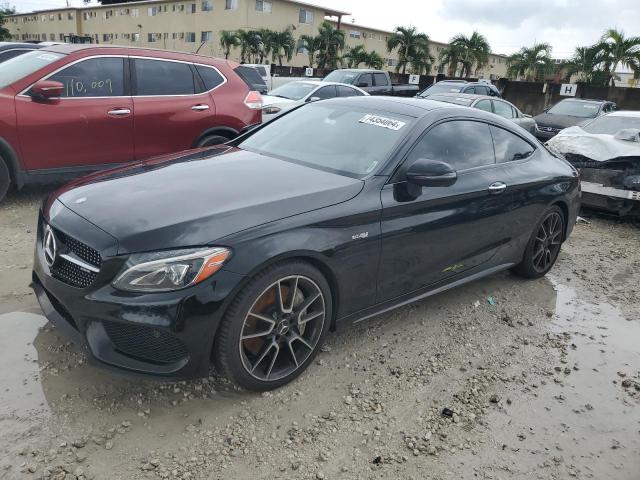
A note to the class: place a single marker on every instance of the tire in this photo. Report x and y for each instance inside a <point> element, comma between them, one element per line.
<point>212,140</point>
<point>543,248</point>
<point>5,179</point>
<point>244,348</point>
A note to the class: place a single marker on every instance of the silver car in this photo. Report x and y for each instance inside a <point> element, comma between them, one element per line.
<point>490,104</point>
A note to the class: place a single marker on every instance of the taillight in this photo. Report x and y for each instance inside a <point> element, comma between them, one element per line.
<point>253,100</point>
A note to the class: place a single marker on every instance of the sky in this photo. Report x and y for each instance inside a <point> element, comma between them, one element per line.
<point>507,24</point>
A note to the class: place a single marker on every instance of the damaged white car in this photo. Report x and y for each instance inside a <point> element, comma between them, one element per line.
<point>606,151</point>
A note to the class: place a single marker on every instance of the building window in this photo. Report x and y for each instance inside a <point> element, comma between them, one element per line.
<point>392,62</point>
<point>135,12</point>
<point>263,6</point>
<point>231,4</point>
<point>305,16</point>
<point>206,36</point>
<point>61,37</point>
<point>107,37</point>
<point>70,15</point>
<point>190,37</point>
<point>191,8</point>
<point>60,16</point>
<point>354,33</point>
<point>135,37</point>
<point>207,6</point>
<point>52,37</point>
<point>152,11</point>
<point>153,37</point>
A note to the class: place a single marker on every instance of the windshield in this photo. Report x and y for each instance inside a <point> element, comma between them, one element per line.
<point>344,140</point>
<point>612,125</point>
<point>451,99</point>
<point>575,109</point>
<point>19,67</point>
<point>441,87</point>
<point>341,77</point>
<point>293,90</point>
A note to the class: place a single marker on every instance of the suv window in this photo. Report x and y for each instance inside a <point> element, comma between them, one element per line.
<point>380,80</point>
<point>365,80</point>
<point>482,90</point>
<point>325,92</point>
<point>348,91</point>
<point>503,109</point>
<point>210,77</point>
<point>250,76</point>
<point>484,105</point>
<point>510,147</point>
<point>461,143</point>
<point>469,90</point>
<point>160,77</point>
<point>94,77</point>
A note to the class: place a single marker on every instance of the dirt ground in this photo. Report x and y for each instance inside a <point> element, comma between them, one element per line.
<point>540,379</point>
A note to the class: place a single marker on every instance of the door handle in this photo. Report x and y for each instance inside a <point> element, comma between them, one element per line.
<point>497,187</point>
<point>119,112</point>
<point>200,106</point>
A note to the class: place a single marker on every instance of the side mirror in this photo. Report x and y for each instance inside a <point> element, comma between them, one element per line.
<point>431,173</point>
<point>526,115</point>
<point>313,99</point>
<point>46,90</point>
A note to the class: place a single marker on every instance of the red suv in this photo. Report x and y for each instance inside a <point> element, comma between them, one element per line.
<point>70,109</point>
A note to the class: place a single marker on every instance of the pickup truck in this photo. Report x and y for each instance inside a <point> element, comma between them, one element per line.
<point>374,82</point>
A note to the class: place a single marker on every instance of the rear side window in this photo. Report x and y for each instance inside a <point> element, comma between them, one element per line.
<point>469,90</point>
<point>325,92</point>
<point>250,76</point>
<point>380,80</point>
<point>482,90</point>
<point>365,80</point>
<point>95,77</point>
<point>510,147</point>
<point>484,105</point>
<point>503,109</point>
<point>348,91</point>
<point>462,144</point>
<point>210,77</point>
<point>160,77</point>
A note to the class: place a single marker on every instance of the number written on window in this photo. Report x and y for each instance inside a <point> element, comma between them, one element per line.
<point>95,77</point>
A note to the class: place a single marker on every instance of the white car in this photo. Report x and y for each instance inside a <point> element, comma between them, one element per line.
<point>289,96</point>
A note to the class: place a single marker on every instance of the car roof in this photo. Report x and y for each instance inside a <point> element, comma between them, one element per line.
<point>469,96</point>
<point>412,107</point>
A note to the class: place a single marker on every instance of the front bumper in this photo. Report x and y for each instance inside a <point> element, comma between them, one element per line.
<point>165,334</point>
<point>544,135</point>
<point>622,202</point>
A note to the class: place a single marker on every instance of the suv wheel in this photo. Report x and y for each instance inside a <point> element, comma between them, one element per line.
<point>5,179</point>
<point>274,327</point>
<point>212,140</point>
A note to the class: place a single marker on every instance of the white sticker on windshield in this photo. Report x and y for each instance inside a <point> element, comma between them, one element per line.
<point>383,122</point>
<point>47,56</point>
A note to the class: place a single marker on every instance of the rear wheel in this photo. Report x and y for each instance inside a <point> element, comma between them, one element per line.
<point>544,245</point>
<point>274,327</point>
<point>5,179</point>
<point>212,140</point>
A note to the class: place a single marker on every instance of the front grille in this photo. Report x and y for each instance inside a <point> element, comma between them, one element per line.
<point>549,129</point>
<point>145,343</point>
<point>70,272</point>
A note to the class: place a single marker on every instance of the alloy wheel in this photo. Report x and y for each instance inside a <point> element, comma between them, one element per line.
<point>547,242</point>
<point>282,328</point>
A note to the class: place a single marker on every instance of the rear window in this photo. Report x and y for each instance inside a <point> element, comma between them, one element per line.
<point>575,108</point>
<point>442,87</point>
<point>250,76</point>
<point>452,99</point>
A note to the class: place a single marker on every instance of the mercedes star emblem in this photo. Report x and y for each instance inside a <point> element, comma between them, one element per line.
<point>49,246</point>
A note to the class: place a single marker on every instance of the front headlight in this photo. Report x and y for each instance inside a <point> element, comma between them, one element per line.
<point>170,270</point>
<point>270,110</point>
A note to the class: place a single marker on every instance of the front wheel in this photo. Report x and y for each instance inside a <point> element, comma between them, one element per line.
<point>5,179</point>
<point>212,140</point>
<point>274,327</point>
<point>544,245</point>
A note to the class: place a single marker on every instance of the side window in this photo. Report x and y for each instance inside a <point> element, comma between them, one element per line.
<point>325,92</point>
<point>380,80</point>
<point>502,109</point>
<point>461,143</point>
<point>510,147</point>
<point>210,77</point>
<point>95,77</point>
<point>484,105</point>
<point>482,90</point>
<point>365,80</point>
<point>470,90</point>
<point>348,91</point>
<point>160,77</point>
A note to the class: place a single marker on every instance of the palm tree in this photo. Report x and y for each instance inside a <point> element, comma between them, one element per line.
<point>618,50</point>
<point>586,64</point>
<point>421,61</point>
<point>450,56</point>
<point>282,44</point>
<point>354,56</point>
<point>250,44</point>
<point>373,60</point>
<point>410,44</point>
<point>331,42</point>
<point>228,40</point>
<point>473,50</point>
<point>532,63</point>
<point>311,44</point>
<point>267,40</point>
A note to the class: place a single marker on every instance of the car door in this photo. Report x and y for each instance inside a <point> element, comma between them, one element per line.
<point>380,84</point>
<point>171,107</point>
<point>365,81</point>
<point>91,124</point>
<point>443,231</point>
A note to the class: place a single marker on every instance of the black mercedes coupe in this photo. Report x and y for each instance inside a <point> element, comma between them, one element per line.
<point>247,254</point>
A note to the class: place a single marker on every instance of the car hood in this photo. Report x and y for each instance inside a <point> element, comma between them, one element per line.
<point>598,147</point>
<point>200,197</point>
<point>268,100</point>
<point>558,121</point>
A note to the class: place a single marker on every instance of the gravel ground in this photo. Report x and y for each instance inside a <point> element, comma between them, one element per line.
<point>500,379</point>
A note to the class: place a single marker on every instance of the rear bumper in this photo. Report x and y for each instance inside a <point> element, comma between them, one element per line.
<point>162,335</point>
